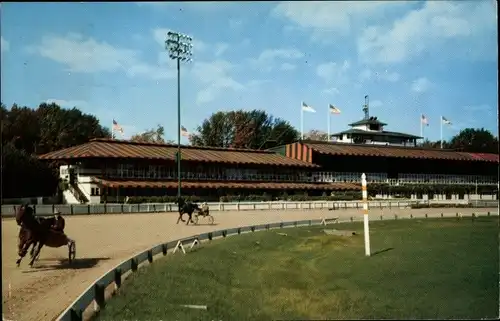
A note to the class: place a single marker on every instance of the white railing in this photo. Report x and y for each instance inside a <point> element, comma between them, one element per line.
<point>86,209</point>
<point>323,176</point>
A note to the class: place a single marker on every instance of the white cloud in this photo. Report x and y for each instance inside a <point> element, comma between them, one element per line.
<point>366,74</point>
<point>87,55</point>
<point>331,91</point>
<point>4,45</point>
<point>215,77</point>
<point>287,66</point>
<point>335,17</point>
<point>332,72</point>
<point>220,48</point>
<point>421,85</point>
<point>389,76</point>
<point>470,26</point>
<point>267,58</point>
<point>376,103</point>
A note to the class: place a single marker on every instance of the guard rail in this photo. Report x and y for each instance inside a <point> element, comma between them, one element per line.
<point>88,209</point>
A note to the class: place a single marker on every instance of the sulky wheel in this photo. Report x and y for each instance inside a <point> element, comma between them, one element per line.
<point>71,251</point>
<point>195,219</point>
<point>210,219</point>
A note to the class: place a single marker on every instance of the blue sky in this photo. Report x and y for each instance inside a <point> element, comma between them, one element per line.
<point>436,58</point>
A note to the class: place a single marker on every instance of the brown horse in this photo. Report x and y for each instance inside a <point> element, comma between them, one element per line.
<point>38,232</point>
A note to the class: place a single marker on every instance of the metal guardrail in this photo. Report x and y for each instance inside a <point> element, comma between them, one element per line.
<point>96,292</point>
<point>88,209</point>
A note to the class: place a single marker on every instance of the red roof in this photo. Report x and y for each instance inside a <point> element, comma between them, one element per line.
<point>393,151</point>
<point>225,184</point>
<point>106,148</point>
<point>485,157</point>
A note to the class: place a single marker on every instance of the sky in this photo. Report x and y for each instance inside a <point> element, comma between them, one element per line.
<point>435,58</point>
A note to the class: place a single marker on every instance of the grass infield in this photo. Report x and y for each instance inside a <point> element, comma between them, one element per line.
<point>419,269</point>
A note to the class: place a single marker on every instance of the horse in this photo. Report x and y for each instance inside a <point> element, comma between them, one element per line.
<point>186,208</point>
<point>53,238</point>
<point>36,232</point>
<point>56,223</point>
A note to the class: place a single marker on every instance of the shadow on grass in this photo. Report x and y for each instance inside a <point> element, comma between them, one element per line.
<point>64,264</point>
<point>382,251</point>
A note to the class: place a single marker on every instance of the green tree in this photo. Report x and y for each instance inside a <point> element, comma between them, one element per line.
<point>61,128</point>
<point>151,136</point>
<point>27,131</point>
<point>475,141</point>
<point>23,175</point>
<point>244,129</point>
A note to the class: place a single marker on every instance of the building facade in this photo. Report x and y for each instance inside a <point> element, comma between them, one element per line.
<point>110,170</point>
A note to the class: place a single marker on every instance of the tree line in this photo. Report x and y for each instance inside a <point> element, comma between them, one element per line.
<point>28,132</point>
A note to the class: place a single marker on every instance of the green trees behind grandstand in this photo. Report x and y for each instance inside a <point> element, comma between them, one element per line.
<point>254,129</point>
<point>27,132</point>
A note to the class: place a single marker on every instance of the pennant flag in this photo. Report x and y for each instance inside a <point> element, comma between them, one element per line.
<point>423,120</point>
<point>116,127</point>
<point>445,121</point>
<point>184,132</point>
<point>334,110</point>
<point>305,107</point>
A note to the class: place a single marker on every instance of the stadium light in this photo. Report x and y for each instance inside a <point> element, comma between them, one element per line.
<point>179,48</point>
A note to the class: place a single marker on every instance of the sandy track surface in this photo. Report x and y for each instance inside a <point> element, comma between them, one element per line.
<point>103,241</point>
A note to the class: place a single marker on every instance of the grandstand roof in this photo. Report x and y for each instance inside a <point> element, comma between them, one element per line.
<point>107,148</point>
<point>340,149</point>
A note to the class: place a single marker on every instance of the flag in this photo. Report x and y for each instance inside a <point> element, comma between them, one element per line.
<point>305,107</point>
<point>423,120</point>
<point>184,132</point>
<point>116,127</point>
<point>334,110</point>
<point>445,121</point>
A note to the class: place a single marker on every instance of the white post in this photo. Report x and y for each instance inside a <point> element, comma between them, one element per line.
<point>421,128</point>
<point>301,122</point>
<point>365,214</point>
<point>112,131</point>
<point>328,117</point>
<point>441,132</point>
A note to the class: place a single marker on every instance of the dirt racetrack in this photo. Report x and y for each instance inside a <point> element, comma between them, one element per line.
<point>103,241</point>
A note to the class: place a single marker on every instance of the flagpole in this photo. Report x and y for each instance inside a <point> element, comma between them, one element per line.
<point>328,116</point>
<point>441,130</point>
<point>421,127</point>
<point>301,121</point>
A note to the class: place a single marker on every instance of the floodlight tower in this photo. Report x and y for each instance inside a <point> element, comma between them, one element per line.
<point>179,48</point>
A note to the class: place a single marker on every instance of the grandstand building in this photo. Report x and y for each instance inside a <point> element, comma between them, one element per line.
<point>105,170</point>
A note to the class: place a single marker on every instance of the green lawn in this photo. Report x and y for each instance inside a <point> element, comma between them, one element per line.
<point>430,269</point>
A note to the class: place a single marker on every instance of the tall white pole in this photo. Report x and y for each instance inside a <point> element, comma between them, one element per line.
<point>365,214</point>
<point>112,131</point>
<point>301,122</point>
<point>328,117</point>
<point>441,130</point>
<point>421,128</point>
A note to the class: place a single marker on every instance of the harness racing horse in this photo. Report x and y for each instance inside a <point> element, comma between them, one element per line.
<point>40,232</point>
<point>56,223</point>
<point>186,208</point>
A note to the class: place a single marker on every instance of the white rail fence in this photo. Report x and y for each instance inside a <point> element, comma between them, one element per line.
<point>96,293</point>
<point>88,209</point>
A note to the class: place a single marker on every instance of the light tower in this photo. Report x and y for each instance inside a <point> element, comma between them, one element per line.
<point>179,48</point>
